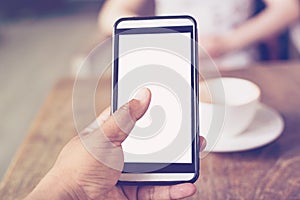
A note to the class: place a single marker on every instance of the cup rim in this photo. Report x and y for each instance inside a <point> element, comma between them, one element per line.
<point>250,100</point>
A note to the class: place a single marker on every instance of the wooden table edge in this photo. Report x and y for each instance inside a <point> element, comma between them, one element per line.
<point>31,129</point>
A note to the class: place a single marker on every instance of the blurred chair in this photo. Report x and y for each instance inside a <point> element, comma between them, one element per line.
<point>276,47</point>
<point>295,36</point>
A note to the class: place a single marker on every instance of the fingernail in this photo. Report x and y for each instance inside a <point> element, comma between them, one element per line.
<point>202,145</point>
<point>182,190</point>
<point>142,94</point>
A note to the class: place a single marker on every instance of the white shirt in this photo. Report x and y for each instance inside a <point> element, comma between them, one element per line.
<point>214,17</point>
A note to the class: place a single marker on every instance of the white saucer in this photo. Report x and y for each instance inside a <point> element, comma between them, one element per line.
<point>265,128</point>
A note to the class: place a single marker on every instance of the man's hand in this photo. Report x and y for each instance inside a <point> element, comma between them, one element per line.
<point>90,165</point>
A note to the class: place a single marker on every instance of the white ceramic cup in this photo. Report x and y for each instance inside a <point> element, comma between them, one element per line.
<point>227,105</point>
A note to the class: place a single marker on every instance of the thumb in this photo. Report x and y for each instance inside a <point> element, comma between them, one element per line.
<point>117,127</point>
<point>104,143</point>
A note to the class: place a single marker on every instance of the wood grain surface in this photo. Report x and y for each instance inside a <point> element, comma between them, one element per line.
<point>269,172</point>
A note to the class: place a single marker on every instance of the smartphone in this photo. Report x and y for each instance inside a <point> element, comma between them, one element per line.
<point>159,53</point>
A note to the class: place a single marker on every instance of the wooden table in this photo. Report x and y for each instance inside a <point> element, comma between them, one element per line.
<point>270,172</point>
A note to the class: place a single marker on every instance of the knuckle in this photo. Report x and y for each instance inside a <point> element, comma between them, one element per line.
<point>124,108</point>
<point>151,193</point>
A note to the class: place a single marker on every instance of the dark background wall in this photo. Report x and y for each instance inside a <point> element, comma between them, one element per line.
<point>10,9</point>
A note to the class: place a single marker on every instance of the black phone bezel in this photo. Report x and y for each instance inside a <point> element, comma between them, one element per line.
<point>172,167</point>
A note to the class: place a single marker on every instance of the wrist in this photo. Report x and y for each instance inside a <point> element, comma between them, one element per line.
<point>54,187</point>
<point>231,43</point>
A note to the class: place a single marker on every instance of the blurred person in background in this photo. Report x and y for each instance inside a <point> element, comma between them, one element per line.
<point>228,29</point>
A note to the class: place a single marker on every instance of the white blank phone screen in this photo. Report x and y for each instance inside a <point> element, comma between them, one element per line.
<point>169,55</point>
